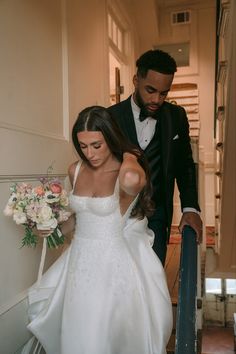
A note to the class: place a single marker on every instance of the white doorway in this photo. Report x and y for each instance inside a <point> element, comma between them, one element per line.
<point>116,90</point>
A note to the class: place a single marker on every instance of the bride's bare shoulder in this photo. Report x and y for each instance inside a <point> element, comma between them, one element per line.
<point>71,170</point>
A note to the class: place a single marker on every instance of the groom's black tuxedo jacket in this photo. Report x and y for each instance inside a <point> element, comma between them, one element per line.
<point>176,153</point>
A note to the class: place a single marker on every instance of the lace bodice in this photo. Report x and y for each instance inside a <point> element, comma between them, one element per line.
<point>98,217</point>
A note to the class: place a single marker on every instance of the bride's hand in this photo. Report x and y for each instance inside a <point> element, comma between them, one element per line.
<point>43,233</point>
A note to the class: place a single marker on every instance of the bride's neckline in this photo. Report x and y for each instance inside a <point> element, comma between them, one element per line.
<point>92,196</point>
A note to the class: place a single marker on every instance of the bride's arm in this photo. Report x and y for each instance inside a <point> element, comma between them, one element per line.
<point>131,176</point>
<point>69,225</point>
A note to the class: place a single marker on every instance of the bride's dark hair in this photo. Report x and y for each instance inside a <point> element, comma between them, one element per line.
<point>97,118</point>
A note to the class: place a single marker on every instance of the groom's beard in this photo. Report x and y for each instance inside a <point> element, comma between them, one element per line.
<point>143,106</point>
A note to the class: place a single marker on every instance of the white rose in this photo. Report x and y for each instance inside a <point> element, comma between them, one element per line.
<point>47,225</point>
<point>45,214</point>
<point>19,217</point>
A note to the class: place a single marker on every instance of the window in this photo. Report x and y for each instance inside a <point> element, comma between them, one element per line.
<point>116,33</point>
<point>218,286</point>
<point>213,285</point>
<point>231,286</point>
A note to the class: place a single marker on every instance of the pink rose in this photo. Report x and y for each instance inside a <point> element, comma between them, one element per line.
<point>39,190</point>
<point>55,188</point>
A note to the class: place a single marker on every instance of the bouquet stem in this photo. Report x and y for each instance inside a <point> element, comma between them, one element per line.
<point>54,240</point>
<point>30,239</point>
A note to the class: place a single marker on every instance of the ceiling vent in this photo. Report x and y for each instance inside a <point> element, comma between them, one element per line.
<point>180,17</point>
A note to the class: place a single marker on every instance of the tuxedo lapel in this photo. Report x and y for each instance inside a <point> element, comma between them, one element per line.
<point>166,137</point>
<point>128,122</point>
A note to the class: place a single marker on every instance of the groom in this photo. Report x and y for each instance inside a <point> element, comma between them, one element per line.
<point>161,130</point>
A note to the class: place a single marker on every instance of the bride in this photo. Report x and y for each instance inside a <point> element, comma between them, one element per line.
<point>107,293</point>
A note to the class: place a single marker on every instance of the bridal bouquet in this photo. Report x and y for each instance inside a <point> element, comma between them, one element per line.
<point>42,207</point>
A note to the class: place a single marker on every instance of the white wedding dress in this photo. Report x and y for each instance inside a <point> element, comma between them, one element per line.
<point>107,293</point>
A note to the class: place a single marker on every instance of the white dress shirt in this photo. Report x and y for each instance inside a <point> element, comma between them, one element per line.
<point>145,129</point>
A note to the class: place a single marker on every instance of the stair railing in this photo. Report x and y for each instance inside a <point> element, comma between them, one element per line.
<point>186,331</point>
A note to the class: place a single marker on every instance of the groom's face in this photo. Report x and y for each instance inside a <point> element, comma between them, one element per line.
<point>151,91</point>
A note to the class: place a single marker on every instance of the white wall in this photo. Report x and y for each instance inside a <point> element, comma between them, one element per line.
<point>145,17</point>
<point>34,133</point>
<point>88,54</point>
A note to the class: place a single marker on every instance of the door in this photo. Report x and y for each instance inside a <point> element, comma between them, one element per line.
<point>220,301</point>
<point>115,87</point>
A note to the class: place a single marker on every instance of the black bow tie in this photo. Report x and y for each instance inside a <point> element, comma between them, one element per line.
<point>144,115</point>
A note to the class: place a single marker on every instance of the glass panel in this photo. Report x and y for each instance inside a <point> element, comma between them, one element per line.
<point>109,26</point>
<point>114,33</point>
<point>231,286</point>
<point>181,17</point>
<point>213,285</point>
<point>119,44</point>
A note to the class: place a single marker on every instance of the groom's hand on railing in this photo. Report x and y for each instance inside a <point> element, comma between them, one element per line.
<point>192,219</point>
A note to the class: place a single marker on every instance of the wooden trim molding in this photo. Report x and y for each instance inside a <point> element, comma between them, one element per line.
<point>28,178</point>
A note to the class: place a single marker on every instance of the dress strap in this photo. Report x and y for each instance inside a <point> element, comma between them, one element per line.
<point>117,188</point>
<point>77,168</point>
